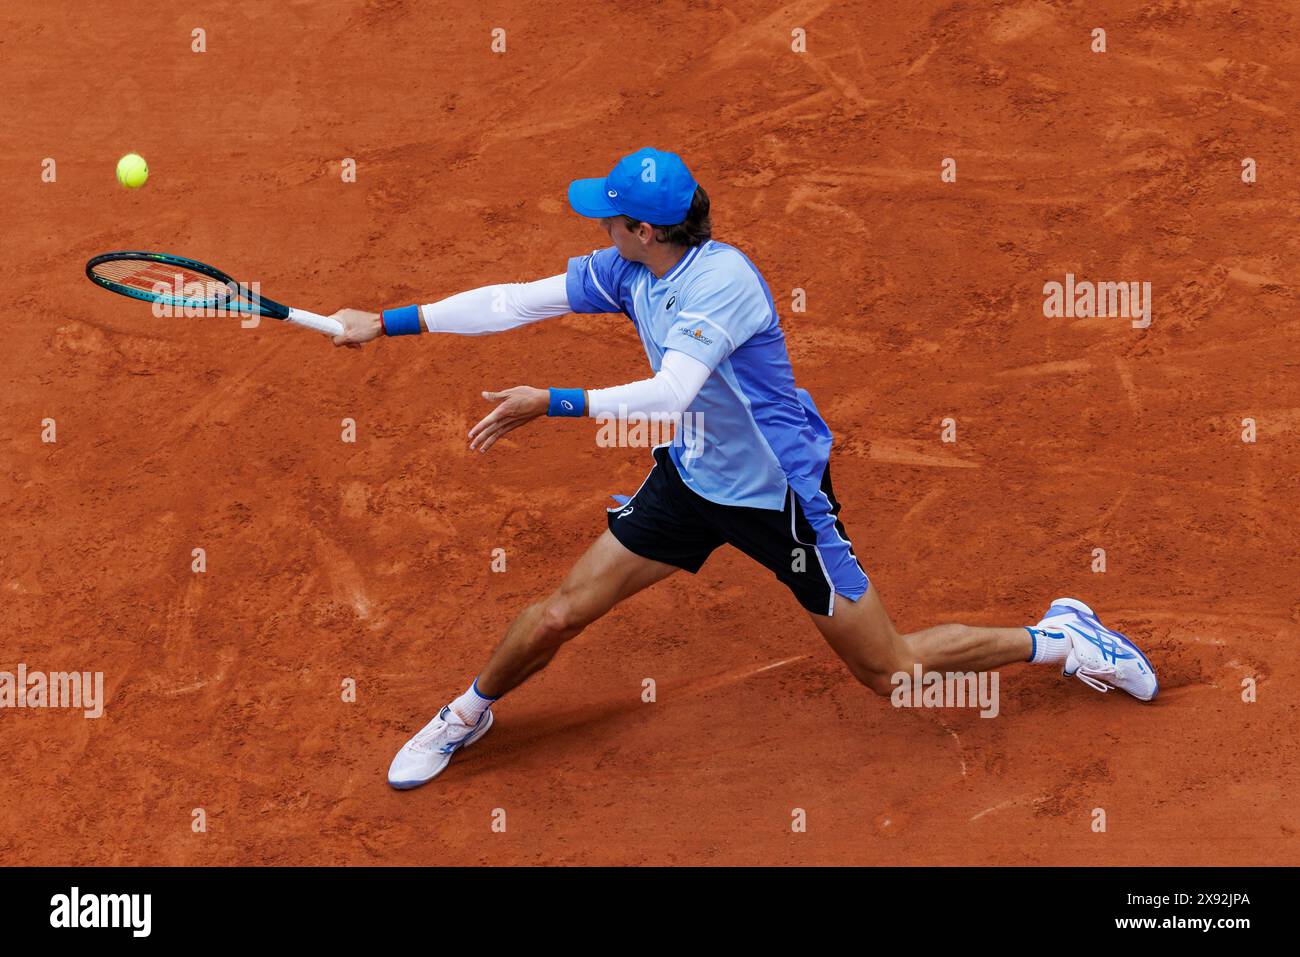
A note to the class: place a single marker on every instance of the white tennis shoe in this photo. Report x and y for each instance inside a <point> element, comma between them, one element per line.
<point>1100,658</point>
<point>425,756</point>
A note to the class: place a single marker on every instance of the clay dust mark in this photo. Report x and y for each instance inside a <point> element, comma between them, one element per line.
<point>736,45</point>
<point>848,90</point>
<point>1020,22</point>
<point>235,393</point>
<point>345,577</point>
<point>1188,615</point>
<point>1050,368</point>
<point>181,613</point>
<point>897,452</point>
<point>199,765</point>
<point>961,751</point>
<point>911,514</point>
<point>1256,105</point>
<point>800,198</point>
<point>592,111</point>
<point>999,195</point>
<point>1100,524</point>
<point>731,678</point>
<point>860,176</point>
<point>919,63</point>
<point>1257,280</point>
<point>1169,65</point>
<point>781,112</point>
<point>225,658</point>
<point>1130,389</point>
<point>1006,804</point>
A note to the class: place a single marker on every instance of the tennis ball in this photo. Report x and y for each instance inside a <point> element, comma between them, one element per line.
<point>132,171</point>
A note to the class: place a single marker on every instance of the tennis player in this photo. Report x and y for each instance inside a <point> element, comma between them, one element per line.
<point>756,475</point>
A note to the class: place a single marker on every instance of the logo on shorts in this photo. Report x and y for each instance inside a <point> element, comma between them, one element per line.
<point>626,511</point>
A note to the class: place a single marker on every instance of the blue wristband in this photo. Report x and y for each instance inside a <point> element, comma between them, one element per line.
<point>568,402</point>
<point>403,322</point>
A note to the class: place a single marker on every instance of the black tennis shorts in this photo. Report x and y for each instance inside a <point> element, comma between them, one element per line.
<point>667,522</point>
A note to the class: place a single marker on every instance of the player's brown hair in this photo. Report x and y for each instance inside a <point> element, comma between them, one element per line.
<point>691,231</point>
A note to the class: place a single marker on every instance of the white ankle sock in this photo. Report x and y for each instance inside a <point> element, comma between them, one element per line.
<point>1048,648</point>
<point>470,706</point>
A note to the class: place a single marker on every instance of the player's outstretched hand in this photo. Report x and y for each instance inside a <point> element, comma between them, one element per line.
<point>358,327</point>
<point>518,406</point>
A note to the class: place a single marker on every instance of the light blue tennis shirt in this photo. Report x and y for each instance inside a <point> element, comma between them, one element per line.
<point>761,434</point>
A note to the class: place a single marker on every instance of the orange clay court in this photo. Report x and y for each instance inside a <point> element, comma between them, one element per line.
<point>371,561</point>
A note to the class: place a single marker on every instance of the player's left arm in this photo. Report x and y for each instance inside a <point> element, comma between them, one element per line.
<point>669,392</point>
<point>719,313</point>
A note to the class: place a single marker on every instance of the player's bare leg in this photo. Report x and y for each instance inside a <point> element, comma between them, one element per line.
<point>605,575</point>
<point>863,635</point>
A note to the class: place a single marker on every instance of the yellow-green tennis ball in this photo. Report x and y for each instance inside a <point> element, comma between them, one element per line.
<point>132,171</point>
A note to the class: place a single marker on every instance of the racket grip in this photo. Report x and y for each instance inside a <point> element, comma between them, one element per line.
<point>331,327</point>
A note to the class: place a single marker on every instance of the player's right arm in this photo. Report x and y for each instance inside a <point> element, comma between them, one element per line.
<point>593,283</point>
<point>474,313</point>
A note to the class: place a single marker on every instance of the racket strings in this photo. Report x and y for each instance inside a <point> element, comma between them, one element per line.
<point>174,284</point>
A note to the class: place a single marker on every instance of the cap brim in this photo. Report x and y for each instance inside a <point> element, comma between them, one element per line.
<point>587,197</point>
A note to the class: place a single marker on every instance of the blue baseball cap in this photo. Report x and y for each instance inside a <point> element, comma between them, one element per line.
<point>649,185</point>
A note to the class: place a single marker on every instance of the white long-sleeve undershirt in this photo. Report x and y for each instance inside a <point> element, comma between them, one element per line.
<point>671,391</point>
<point>506,306</point>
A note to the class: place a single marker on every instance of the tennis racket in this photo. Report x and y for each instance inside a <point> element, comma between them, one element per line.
<point>184,284</point>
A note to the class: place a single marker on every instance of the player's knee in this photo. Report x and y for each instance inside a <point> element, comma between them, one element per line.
<point>877,680</point>
<point>876,673</point>
<point>560,620</point>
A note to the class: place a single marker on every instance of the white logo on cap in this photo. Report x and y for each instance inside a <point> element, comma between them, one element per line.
<point>612,193</point>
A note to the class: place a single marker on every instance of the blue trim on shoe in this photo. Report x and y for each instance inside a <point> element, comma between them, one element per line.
<point>1110,648</point>
<point>1090,618</point>
<point>475,733</point>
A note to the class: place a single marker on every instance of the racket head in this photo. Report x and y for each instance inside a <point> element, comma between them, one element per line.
<point>178,283</point>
